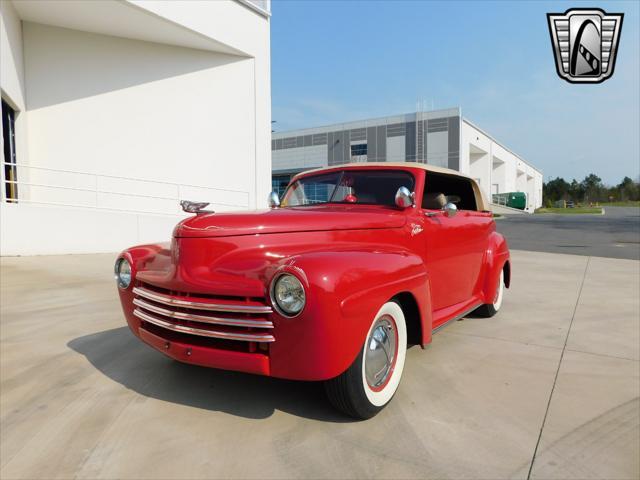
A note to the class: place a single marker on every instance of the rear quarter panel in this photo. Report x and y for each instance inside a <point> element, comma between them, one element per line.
<point>497,256</point>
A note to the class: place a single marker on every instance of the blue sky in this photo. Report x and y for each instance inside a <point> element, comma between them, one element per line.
<point>335,61</point>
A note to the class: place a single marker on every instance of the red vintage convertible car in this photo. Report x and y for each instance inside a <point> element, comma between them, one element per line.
<point>332,284</point>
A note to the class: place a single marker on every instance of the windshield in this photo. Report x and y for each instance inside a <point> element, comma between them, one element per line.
<point>368,187</point>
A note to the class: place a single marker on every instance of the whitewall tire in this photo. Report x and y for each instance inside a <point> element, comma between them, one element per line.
<point>369,384</point>
<point>490,309</point>
<point>497,302</point>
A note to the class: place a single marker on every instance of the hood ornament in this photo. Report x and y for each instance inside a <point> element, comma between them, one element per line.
<point>194,207</point>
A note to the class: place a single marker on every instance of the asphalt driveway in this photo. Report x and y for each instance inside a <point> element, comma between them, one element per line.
<point>547,389</point>
<point>615,234</point>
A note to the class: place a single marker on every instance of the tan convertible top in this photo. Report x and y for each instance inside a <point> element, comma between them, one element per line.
<point>481,201</point>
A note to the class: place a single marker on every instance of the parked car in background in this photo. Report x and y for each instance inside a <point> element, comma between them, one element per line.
<point>332,284</point>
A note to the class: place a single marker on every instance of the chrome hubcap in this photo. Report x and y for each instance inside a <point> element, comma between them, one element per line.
<point>380,353</point>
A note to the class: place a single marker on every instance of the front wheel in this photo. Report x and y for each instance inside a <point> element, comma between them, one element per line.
<point>490,309</point>
<point>368,385</point>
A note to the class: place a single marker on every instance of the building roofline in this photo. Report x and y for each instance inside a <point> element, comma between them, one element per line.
<point>292,171</point>
<point>298,131</point>
<point>493,139</point>
<point>252,6</point>
<point>390,165</point>
<point>377,120</point>
<point>136,21</point>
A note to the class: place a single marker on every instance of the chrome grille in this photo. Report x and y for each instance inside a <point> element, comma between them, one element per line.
<point>218,318</point>
<point>199,305</point>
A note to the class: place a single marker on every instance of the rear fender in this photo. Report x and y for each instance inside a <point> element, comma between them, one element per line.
<point>497,259</point>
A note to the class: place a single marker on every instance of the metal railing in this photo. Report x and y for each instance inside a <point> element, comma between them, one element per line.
<point>168,200</point>
<point>500,198</point>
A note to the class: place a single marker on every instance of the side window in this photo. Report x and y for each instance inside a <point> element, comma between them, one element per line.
<point>442,188</point>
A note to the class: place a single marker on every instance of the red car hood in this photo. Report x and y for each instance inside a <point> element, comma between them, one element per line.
<point>285,220</point>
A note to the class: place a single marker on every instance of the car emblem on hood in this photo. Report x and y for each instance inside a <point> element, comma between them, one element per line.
<point>585,43</point>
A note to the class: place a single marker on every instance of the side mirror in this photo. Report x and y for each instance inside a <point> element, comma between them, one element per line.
<point>450,210</point>
<point>274,200</point>
<point>404,198</point>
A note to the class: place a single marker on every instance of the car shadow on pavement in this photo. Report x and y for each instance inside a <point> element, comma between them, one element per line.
<point>122,357</point>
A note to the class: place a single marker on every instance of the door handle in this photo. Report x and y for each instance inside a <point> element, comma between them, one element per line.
<point>432,214</point>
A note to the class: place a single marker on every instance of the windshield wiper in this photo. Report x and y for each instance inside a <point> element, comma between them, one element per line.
<point>335,189</point>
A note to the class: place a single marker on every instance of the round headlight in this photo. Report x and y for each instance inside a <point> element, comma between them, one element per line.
<point>288,294</point>
<point>123,272</point>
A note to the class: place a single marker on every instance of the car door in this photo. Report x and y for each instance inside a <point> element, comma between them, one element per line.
<point>454,245</point>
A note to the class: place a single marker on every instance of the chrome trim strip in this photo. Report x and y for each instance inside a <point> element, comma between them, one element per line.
<point>247,337</point>
<point>457,317</point>
<point>234,322</point>
<point>169,300</point>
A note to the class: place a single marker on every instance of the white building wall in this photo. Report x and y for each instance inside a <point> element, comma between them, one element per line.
<point>12,72</point>
<point>12,64</point>
<point>235,25</point>
<point>131,126</point>
<point>495,167</point>
<point>476,157</point>
<point>140,110</point>
<point>503,169</point>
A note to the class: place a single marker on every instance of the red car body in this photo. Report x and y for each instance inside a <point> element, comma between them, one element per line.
<point>350,258</point>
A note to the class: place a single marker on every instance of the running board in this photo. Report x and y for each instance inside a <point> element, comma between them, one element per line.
<point>456,318</point>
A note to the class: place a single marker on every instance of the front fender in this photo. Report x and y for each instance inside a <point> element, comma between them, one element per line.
<point>141,258</point>
<point>497,256</point>
<point>345,291</point>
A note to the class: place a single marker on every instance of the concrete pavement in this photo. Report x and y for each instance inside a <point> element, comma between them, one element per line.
<point>615,234</point>
<point>549,388</point>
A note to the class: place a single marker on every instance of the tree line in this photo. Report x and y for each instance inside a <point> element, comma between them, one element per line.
<point>589,190</point>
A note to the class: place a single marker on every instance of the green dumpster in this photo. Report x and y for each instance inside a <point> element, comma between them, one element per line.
<point>511,199</point>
